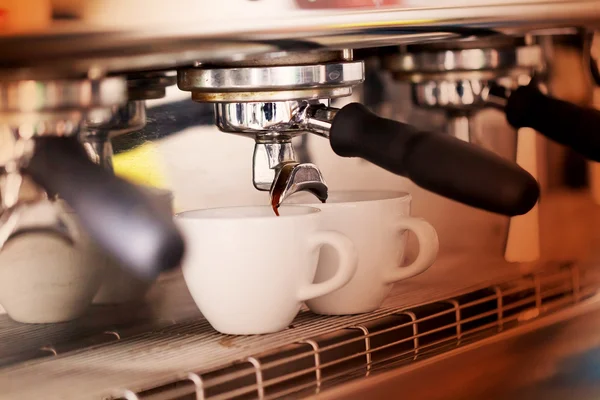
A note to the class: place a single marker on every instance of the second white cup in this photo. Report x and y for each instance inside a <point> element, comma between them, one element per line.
<point>376,222</point>
<point>249,271</point>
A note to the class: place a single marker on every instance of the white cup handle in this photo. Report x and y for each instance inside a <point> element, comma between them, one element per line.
<point>428,248</point>
<point>348,262</point>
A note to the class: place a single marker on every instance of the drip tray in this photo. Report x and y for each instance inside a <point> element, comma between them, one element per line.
<point>187,359</point>
<point>553,358</point>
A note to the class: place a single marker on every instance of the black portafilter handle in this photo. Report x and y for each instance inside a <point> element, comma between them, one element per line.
<point>437,162</point>
<point>566,123</point>
<point>122,219</point>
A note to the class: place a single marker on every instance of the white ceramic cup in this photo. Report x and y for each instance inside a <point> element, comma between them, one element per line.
<point>376,222</point>
<point>249,271</point>
<point>46,276</point>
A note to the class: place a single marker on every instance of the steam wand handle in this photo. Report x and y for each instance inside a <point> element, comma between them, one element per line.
<point>566,123</point>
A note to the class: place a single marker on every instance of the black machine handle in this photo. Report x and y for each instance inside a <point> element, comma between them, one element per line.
<point>563,122</point>
<point>122,219</point>
<point>437,162</point>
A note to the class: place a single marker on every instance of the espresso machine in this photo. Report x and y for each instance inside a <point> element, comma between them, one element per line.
<point>77,76</point>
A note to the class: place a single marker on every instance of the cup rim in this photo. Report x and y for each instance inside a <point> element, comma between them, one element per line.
<point>361,197</point>
<point>198,213</point>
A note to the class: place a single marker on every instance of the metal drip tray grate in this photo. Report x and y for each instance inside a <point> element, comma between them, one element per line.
<point>189,360</point>
<point>402,337</point>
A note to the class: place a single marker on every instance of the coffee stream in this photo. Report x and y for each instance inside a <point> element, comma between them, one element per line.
<point>275,200</point>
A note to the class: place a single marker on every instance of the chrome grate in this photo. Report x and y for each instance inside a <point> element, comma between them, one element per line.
<point>400,337</point>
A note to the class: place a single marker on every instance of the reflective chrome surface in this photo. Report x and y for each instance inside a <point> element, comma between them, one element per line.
<point>266,159</point>
<point>101,127</point>
<point>265,119</point>
<point>271,78</point>
<point>457,76</point>
<point>126,118</point>
<point>462,98</point>
<point>478,59</point>
<point>461,94</point>
<point>276,120</point>
<point>273,125</point>
<point>266,83</point>
<point>34,108</point>
<point>317,119</point>
<point>98,131</point>
<point>275,168</point>
<point>294,177</point>
<point>273,99</point>
<point>45,96</point>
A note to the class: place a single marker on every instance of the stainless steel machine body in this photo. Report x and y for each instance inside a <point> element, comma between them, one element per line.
<point>274,71</point>
<point>457,77</point>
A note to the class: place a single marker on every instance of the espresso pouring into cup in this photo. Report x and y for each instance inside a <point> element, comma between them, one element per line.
<point>244,287</point>
<point>274,101</point>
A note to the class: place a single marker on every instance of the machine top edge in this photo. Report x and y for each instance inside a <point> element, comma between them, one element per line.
<point>72,48</point>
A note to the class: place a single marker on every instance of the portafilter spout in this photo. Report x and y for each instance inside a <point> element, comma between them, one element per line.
<point>295,177</point>
<point>275,169</point>
<point>275,166</point>
<point>263,99</point>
